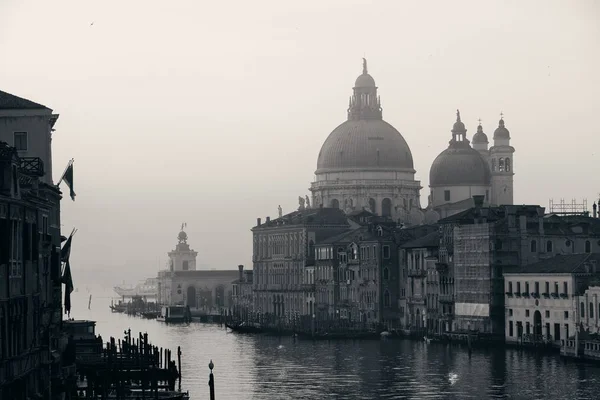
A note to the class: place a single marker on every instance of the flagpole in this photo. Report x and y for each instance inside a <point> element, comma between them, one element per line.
<point>63,174</point>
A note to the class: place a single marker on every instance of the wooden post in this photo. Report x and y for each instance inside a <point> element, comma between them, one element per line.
<point>211,381</point>
<point>179,364</point>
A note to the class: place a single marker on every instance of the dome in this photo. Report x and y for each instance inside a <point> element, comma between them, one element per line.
<point>480,137</point>
<point>457,166</point>
<point>364,80</point>
<point>365,144</point>
<point>501,132</point>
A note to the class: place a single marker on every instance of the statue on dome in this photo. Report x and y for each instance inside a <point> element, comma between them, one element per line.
<point>364,66</point>
<point>307,200</point>
<point>301,203</point>
<point>280,211</point>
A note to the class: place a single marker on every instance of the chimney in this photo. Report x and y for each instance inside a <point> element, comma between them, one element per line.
<point>268,220</point>
<point>241,269</point>
<point>257,221</point>
<point>478,200</point>
<point>540,213</point>
<point>595,207</point>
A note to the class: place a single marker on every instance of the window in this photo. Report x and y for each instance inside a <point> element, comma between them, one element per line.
<point>534,246</point>
<point>446,195</point>
<point>527,313</point>
<point>386,274</point>
<point>185,265</point>
<point>566,315</point>
<point>547,314</point>
<point>386,299</point>
<point>547,288</point>
<point>591,312</point>
<point>20,141</point>
<point>509,287</point>
<point>498,244</point>
<point>501,164</point>
<point>519,287</point>
<point>487,195</point>
<point>537,288</point>
<point>510,312</point>
<point>582,309</point>
<point>556,288</point>
<point>549,246</point>
<point>588,246</point>
<point>565,288</point>
<point>510,328</point>
<point>568,243</point>
<point>386,252</point>
<point>527,288</point>
<point>507,164</point>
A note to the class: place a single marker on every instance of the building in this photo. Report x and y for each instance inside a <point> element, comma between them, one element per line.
<point>30,299</point>
<point>548,300</point>
<point>28,127</point>
<point>243,303</point>
<point>366,163</point>
<point>487,239</point>
<point>284,259</point>
<point>182,284</point>
<point>461,171</point>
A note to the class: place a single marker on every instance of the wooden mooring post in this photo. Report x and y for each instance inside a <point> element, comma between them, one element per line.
<point>211,381</point>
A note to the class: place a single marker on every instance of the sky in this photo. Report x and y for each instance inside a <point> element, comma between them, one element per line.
<point>213,113</point>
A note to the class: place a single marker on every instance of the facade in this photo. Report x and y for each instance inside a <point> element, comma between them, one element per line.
<point>183,284</point>
<point>548,300</point>
<point>284,259</point>
<point>365,163</point>
<point>463,171</point>
<point>243,303</point>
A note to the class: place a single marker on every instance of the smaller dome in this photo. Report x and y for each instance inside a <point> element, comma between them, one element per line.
<point>459,126</point>
<point>364,81</point>
<point>459,167</point>
<point>182,237</point>
<point>480,137</point>
<point>501,132</point>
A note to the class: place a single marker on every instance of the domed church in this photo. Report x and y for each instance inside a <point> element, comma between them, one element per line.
<point>365,163</point>
<point>461,171</point>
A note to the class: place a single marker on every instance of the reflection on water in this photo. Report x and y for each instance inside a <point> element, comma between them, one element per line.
<point>257,367</point>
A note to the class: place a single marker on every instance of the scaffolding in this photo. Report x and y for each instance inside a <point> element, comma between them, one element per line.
<point>563,207</point>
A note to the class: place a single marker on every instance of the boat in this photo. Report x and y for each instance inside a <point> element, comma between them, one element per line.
<point>147,288</point>
<point>339,335</point>
<point>150,314</point>
<point>136,394</point>
<point>174,314</point>
<point>245,327</point>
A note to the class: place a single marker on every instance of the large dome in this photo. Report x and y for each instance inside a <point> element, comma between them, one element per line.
<point>365,144</point>
<point>459,167</point>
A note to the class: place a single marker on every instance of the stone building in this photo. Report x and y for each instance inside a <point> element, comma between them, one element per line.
<point>549,300</point>
<point>243,302</point>
<point>365,162</point>
<point>463,171</point>
<point>31,338</point>
<point>203,291</point>
<point>284,259</point>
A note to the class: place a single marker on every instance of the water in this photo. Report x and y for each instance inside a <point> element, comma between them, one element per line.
<point>265,368</point>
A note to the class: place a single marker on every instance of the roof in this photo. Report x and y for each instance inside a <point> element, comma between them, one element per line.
<point>309,216</point>
<point>459,166</point>
<point>11,102</point>
<point>468,216</point>
<point>428,241</point>
<point>560,264</point>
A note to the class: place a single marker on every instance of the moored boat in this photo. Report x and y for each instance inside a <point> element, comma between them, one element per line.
<point>245,328</point>
<point>174,314</point>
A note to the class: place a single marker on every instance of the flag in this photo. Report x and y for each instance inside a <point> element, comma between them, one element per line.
<point>68,178</point>
<point>67,279</point>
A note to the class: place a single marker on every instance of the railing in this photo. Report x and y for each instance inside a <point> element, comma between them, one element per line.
<point>32,166</point>
<point>416,272</point>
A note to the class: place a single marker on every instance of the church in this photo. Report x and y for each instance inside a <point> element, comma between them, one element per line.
<point>366,164</point>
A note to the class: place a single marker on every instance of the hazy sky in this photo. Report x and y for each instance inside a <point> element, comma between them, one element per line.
<point>213,112</point>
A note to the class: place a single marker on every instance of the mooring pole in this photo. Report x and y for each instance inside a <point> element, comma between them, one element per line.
<point>211,381</point>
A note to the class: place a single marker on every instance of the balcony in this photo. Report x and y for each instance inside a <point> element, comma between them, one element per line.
<point>416,273</point>
<point>32,166</point>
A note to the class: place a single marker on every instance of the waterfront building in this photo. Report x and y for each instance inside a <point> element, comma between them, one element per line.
<point>365,162</point>
<point>487,239</point>
<point>182,283</point>
<point>284,259</point>
<point>461,171</point>
<point>243,304</point>
<point>418,257</point>
<point>30,299</point>
<point>550,300</point>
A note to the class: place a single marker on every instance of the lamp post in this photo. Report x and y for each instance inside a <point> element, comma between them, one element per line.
<point>211,380</point>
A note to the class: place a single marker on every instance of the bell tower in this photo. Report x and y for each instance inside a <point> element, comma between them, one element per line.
<point>183,258</point>
<point>501,165</point>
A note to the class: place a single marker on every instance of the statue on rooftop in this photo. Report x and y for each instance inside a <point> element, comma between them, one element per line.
<point>301,203</point>
<point>280,211</point>
<point>307,200</point>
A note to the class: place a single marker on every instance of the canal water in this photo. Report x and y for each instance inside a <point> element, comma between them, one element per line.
<point>265,368</point>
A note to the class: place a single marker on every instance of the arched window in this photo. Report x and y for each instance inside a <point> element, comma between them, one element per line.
<point>386,207</point>
<point>588,246</point>
<point>534,246</point>
<point>335,203</point>
<point>372,205</point>
<point>507,164</point>
<point>582,309</point>
<point>549,246</point>
<point>591,312</point>
<point>386,274</point>
<point>501,164</point>
<point>386,298</point>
